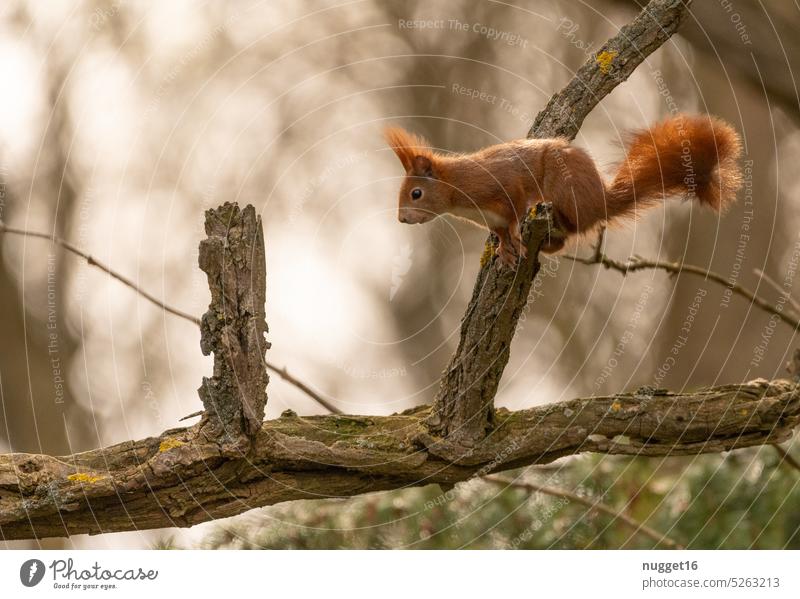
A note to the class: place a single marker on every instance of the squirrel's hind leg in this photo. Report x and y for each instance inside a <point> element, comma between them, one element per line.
<point>516,238</point>
<point>506,251</point>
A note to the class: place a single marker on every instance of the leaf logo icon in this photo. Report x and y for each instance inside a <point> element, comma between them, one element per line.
<point>31,572</point>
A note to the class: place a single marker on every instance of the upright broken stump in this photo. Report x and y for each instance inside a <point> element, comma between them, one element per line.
<point>234,326</point>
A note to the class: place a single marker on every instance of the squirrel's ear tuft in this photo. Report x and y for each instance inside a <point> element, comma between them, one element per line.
<point>423,166</point>
<point>407,146</point>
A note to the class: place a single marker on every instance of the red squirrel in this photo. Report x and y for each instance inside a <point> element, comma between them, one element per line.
<point>496,187</point>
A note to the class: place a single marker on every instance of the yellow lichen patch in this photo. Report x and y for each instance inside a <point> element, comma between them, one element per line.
<point>83,477</point>
<point>170,444</point>
<point>605,59</point>
<point>488,252</point>
<point>616,406</point>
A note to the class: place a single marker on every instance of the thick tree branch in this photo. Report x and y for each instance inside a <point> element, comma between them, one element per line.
<point>613,63</point>
<point>463,408</point>
<point>181,479</point>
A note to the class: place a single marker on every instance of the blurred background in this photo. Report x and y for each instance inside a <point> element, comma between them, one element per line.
<point>121,122</point>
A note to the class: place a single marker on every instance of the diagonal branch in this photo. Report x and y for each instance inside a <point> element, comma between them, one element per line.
<point>463,408</point>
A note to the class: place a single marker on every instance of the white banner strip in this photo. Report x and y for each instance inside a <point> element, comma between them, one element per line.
<point>401,574</point>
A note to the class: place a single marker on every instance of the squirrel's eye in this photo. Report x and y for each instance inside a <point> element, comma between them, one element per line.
<point>416,193</point>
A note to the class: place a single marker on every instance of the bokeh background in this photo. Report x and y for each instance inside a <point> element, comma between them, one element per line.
<point>120,122</point>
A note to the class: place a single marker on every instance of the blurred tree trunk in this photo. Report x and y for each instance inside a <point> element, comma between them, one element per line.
<point>34,417</point>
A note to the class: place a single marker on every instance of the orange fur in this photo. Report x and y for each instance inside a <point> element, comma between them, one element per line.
<point>406,145</point>
<point>496,186</point>
<point>679,155</point>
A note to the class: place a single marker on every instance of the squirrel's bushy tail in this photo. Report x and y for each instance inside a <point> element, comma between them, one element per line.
<point>686,155</point>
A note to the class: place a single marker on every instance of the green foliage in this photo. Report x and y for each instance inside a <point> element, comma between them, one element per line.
<point>745,499</point>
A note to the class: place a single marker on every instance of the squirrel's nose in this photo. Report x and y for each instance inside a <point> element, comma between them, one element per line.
<point>403,218</point>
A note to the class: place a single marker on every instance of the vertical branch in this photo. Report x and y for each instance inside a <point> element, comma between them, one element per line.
<point>464,407</point>
<point>234,326</point>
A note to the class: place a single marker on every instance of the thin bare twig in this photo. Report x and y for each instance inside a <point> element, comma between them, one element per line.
<point>192,415</point>
<point>638,263</point>
<point>635,263</point>
<point>774,284</point>
<point>598,248</point>
<point>787,457</point>
<point>598,505</point>
<point>92,261</point>
<point>284,374</point>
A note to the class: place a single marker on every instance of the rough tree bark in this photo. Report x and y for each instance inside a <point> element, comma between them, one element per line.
<point>231,462</point>
<point>177,479</point>
<point>234,326</point>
